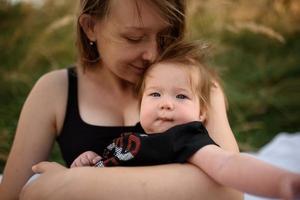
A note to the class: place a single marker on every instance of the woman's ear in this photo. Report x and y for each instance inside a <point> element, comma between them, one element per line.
<point>88,23</point>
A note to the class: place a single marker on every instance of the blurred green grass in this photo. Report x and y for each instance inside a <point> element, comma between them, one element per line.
<point>255,48</point>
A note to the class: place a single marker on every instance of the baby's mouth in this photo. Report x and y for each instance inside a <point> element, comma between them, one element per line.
<point>165,119</point>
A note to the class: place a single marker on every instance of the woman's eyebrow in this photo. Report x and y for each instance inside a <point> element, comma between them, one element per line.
<point>135,27</point>
<point>142,28</point>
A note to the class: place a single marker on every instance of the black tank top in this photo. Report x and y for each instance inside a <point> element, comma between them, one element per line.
<point>77,136</point>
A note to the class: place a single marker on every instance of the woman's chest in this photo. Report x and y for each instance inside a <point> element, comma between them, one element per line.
<point>108,111</point>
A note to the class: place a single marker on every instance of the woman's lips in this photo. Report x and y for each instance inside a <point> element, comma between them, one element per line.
<point>138,69</point>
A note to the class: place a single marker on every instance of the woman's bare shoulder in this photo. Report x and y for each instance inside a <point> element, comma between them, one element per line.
<point>55,80</point>
<point>51,86</point>
<point>50,93</point>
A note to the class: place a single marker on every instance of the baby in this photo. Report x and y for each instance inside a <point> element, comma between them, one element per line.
<point>174,95</point>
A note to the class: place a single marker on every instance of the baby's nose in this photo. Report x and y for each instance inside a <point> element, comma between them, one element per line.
<point>166,105</point>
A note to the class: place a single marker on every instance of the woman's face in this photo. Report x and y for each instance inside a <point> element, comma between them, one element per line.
<point>127,38</point>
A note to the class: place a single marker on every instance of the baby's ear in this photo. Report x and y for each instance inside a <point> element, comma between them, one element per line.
<point>202,115</point>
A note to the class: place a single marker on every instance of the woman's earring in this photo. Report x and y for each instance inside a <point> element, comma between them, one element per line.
<point>91,43</point>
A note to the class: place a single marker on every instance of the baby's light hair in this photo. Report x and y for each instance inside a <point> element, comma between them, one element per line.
<point>191,56</point>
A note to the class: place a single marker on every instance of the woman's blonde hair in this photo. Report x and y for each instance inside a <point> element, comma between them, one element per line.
<point>191,56</point>
<point>173,11</point>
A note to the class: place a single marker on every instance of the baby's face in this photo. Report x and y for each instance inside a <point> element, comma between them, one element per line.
<point>168,98</point>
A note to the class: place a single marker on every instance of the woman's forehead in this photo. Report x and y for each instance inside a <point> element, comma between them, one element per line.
<point>136,14</point>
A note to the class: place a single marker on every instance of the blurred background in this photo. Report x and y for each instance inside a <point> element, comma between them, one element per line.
<point>255,48</point>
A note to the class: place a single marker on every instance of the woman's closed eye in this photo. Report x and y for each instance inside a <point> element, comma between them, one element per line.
<point>134,39</point>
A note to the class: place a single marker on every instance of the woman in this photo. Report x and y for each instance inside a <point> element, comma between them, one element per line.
<point>117,40</point>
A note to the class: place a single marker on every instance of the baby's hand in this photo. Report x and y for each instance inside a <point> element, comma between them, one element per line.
<point>296,188</point>
<point>291,187</point>
<point>88,158</point>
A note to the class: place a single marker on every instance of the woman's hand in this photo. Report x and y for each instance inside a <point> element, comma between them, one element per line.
<point>49,171</point>
<point>47,167</point>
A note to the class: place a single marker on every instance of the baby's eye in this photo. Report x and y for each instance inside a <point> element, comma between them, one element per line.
<point>181,96</point>
<point>154,94</point>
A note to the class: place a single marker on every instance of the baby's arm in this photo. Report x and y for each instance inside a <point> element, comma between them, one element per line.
<point>88,158</point>
<point>246,173</point>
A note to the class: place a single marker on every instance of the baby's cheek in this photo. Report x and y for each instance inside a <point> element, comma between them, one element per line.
<point>146,120</point>
<point>188,116</point>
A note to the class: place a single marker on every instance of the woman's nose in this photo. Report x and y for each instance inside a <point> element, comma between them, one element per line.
<point>151,51</point>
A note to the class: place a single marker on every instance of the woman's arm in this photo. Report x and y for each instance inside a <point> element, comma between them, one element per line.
<point>217,123</point>
<point>246,173</point>
<point>176,181</point>
<point>158,182</point>
<point>35,132</point>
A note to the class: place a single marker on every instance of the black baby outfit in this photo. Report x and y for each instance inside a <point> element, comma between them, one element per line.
<point>176,145</point>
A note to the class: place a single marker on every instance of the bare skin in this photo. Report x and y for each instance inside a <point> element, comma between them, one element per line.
<point>168,101</point>
<point>32,156</point>
<point>149,183</point>
<point>100,89</point>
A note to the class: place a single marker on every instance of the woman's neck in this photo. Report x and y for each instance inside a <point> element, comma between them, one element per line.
<point>105,79</point>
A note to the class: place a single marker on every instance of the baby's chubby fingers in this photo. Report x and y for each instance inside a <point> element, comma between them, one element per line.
<point>296,187</point>
<point>88,158</point>
<point>76,163</point>
<point>96,159</point>
<point>290,188</point>
<point>91,155</point>
<point>84,161</point>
